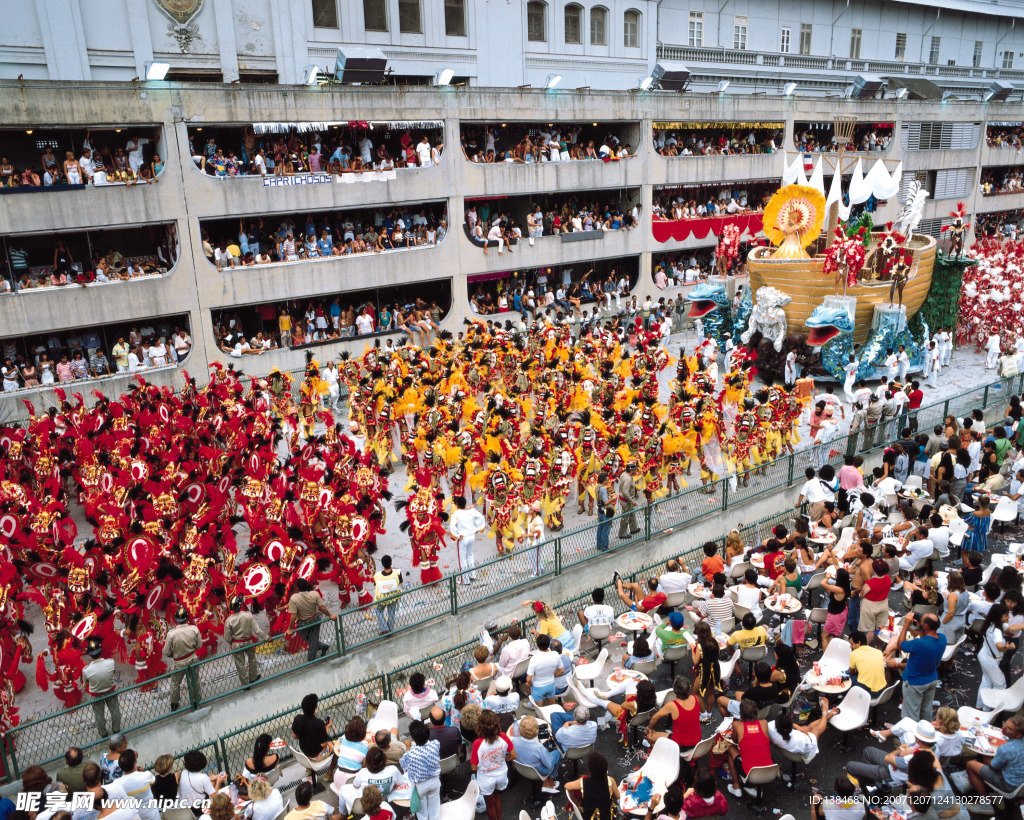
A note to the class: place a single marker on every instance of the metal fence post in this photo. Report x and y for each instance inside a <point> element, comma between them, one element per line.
<point>725,493</point>
<point>339,636</point>
<point>984,401</point>
<point>451,594</point>
<point>558,555</point>
<point>789,476</point>
<point>647,523</point>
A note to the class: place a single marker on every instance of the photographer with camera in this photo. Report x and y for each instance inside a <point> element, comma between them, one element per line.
<point>921,669</point>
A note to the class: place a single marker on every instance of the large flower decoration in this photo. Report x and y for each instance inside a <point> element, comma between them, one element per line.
<point>793,219</point>
<point>729,245</point>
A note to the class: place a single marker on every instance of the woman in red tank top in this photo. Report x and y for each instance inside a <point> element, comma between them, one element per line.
<point>752,744</point>
<point>685,714</point>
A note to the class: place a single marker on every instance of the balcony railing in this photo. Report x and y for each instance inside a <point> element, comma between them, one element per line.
<point>690,54</point>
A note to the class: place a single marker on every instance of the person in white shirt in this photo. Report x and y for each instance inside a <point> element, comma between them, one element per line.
<point>364,324</point>
<point>366,151</point>
<point>517,649</point>
<point>887,486</point>
<point>330,375</point>
<point>494,234</point>
<point>945,347</point>
<point>597,613</point>
<point>931,364</point>
<point>135,157</point>
<point>136,784</point>
<point>850,369</point>
<point>890,364</point>
<point>503,700</point>
<point>991,349</point>
<point>423,152</point>
<point>418,695</point>
<point>917,546</point>
<point>800,740</point>
<point>544,666</point>
<point>902,364</point>
<point>266,803</point>
<point>816,491</point>
<point>938,534</point>
<point>789,375</point>
<point>464,526</point>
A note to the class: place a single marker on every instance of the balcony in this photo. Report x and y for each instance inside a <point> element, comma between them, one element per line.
<point>552,251</point>
<point>1009,201</point>
<point>675,171</point>
<point>511,178</point>
<point>92,206</point>
<point>253,195</point>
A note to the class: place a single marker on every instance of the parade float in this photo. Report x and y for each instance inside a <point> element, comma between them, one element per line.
<point>849,289</point>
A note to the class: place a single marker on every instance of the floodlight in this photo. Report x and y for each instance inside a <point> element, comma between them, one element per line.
<point>645,83</point>
<point>444,76</point>
<point>310,75</point>
<point>155,71</point>
<point>553,80</point>
<point>789,89</point>
<point>722,86</point>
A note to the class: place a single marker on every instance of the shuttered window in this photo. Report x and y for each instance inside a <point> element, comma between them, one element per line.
<point>931,136</point>
<point>954,183</point>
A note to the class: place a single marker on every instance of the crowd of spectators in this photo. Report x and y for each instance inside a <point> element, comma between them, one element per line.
<point>723,199</point>
<point>1004,136</point>
<point>102,159</point>
<point>297,324</point>
<point>690,267</point>
<point>96,257</point>
<point>1002,181</point>
<point>551,215</point>
<point>342,149</point>
<point>708,142</point>
<point>532,293</point>
<point>312,236</point>
<point>93,353</point>
<point>822,139</point>
<point>554,142</point>
<point>1007,224</point>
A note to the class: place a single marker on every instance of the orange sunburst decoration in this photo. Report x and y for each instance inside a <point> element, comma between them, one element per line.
<point>793,219</point>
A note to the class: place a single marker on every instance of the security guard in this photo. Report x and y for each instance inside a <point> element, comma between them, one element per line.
<point>181,645</point>
<point>239,629</point>
<point>98,677</point>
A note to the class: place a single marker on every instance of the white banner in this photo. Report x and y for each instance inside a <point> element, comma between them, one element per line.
<point>301,179</point>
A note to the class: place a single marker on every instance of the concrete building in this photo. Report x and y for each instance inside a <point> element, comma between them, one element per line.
<point>78,65</point>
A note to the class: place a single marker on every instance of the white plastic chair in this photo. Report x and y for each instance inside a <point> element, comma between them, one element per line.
<point>968,716</point>
<point>1008,700</point>
<point>853,710</point>
<point>957,531</point>
<point>386,717</point>
<point>465,807</point>
<point>316,768</point>
<point>544,713</point>
<point>727,667</point>
<point>662,767</point>
<point>837,653</point>
<point>591,671</point>
<point>1005,511</point>
<point>951,649</point>
<point>913,482</point>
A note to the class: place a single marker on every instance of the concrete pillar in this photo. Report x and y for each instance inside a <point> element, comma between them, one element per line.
<point>60,22</point>
<point>224,18</point>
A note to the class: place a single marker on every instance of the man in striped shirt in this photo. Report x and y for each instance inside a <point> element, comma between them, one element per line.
<point>717,608</point>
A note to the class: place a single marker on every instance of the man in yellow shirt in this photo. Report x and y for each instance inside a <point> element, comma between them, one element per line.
<point>750,635</point>
<point>120,353</point>
<point>867,663</point>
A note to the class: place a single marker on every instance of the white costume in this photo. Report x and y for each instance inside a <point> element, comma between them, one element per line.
<point>464,527</point>
<point>992,348</point>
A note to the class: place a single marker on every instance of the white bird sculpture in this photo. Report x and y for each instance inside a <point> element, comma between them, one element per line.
<point>910,216</point>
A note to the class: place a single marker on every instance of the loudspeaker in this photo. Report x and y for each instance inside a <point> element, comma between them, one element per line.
<point>671,75</point>
<point>360,64</point>
<point>998,91</point>
<point>866,86</point>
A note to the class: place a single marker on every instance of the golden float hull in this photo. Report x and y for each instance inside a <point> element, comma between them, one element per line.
<point>803,280</point>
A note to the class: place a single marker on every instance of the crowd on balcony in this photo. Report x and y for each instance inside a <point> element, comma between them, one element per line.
<point>690,267</point>
<point>339,148</point>
<point>719,199</point>
<point>314,236</point>
<point>706,142</point>
<point>1006,224</point>
<point>1004,136</point>
<point>555,142</point>
<point>563,294</point>
<point>101,158</point>
<point>41,261</point>
<point>416,310</point>
<point>501,222</point>
<point>820,137</point>
<point>93,352</point>
<point>1002,181</point>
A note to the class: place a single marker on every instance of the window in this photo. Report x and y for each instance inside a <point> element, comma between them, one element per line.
<point>454,18</point>
<point>784,40</point>
<point>739,33</point>
<point>325,13</point>
<point>978,45</point>
<point>855,35</point>
<point>598,26</point>
<point>375,15</point>
<point>409,17</point>
<point>631,29</point>
<point>901,47</point>
<point>933,52</point>
<point>573,23</point>
<point>805,38</point>
<point>696,33</point>
<point>535,22</point>
<point>1007,59</point>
